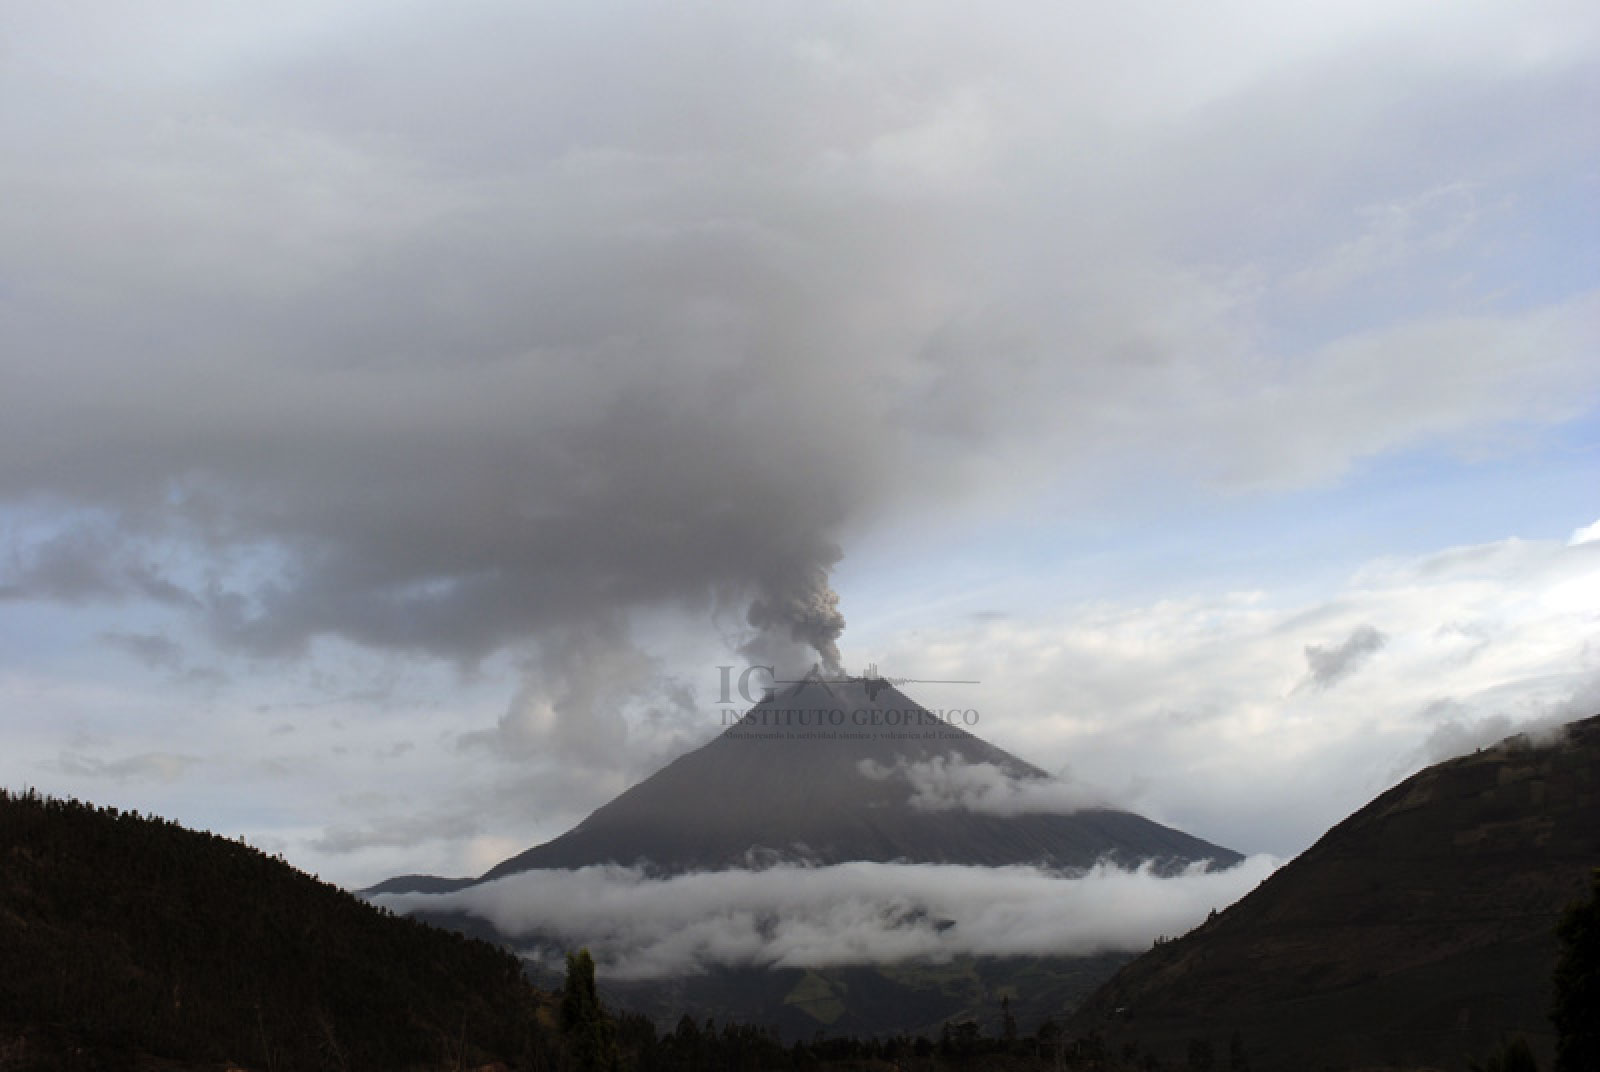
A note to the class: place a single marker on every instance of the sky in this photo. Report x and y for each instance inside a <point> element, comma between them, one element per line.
<point>406,409</point>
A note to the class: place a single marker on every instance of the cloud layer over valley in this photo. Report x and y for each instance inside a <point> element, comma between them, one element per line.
<point>789,916</point>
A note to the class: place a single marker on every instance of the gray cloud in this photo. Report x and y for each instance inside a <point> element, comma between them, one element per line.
<point>151,766</point>
<point>1330,664</point>
<point>151,649</point>
<point>846,914</point>
<point>397,831</point>
<point>446,332</point>
<point>585,698</point>
<point>85,563</point>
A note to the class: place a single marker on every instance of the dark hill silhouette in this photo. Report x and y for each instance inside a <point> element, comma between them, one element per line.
<point>1417,933</point>
<point>787,783</point>
<point>127,941</point>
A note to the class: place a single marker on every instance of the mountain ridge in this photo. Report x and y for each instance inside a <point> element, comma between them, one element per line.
<point>1417,932</point>
<point>129,941</point>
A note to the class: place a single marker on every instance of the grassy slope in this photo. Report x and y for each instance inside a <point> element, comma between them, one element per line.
<point>1418,932</point>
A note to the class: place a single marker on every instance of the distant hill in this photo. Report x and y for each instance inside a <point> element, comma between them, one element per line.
<point>128,941</point>
<point>787,783</point>
<point>1416,933</point>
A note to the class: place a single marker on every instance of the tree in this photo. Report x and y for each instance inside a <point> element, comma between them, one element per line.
<point>583,1021</point>
<point>580,1002</point>
<point>1576,1013</point>
<point>1237,1061</point>
<point>1514,1056</point>
<point>1049,1036</point>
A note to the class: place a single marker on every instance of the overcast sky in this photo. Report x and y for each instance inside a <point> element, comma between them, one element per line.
<point>406,408</point>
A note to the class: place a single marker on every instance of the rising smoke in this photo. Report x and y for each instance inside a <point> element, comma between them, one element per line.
<point>797,604</point>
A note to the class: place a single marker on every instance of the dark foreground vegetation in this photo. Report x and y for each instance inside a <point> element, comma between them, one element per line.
<point>598,1040</point>
<point>127,941</point>
<point>125,935</point>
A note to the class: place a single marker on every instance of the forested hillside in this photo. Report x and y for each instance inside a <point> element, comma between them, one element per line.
<point>123,934</point>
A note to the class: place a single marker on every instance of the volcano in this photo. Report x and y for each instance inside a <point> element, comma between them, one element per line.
<point>838,772</point>
<point>817,773</point>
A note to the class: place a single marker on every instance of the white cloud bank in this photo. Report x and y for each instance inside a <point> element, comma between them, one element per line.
<point>1194,710</point>
<point>857,913</point>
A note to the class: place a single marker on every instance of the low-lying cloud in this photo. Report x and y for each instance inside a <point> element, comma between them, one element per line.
<point>1457,731</point>
<point>950,783</point>
<point>855,913</point>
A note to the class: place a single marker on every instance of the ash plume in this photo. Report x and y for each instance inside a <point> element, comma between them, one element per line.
<point>799,605</point>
